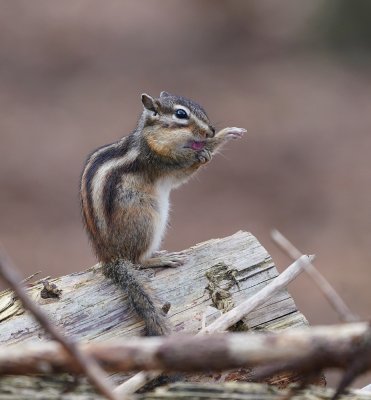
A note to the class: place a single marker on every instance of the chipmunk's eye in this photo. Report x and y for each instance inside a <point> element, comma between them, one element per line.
<point>181,114</point>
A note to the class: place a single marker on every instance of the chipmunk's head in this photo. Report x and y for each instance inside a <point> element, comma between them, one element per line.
<point>174,122</point>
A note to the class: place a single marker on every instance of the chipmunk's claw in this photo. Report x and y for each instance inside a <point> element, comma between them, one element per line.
<point>204,156</point>
<point>173,260</point>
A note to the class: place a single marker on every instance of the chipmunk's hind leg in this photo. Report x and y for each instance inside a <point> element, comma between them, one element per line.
<point>170,260</point>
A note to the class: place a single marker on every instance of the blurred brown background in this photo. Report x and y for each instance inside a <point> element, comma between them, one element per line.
<point>296,74</point>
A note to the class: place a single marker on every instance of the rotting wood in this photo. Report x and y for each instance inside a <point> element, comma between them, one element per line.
<point>91,308</point>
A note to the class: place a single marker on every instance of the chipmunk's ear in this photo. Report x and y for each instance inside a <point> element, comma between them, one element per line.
<point>149,102</point>
<point>164,94</point>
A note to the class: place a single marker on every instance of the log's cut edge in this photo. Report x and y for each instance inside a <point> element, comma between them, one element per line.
<point>219,272</point>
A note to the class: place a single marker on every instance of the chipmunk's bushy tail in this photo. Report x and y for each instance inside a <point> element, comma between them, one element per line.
<point>141,296</point>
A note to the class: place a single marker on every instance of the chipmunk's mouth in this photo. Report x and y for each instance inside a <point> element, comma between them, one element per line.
<point>195,145</point>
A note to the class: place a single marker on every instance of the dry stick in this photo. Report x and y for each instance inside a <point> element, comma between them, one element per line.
<point>96,375</point>
<point>186,353</point>
<point>328,291</point>
<point>228,319</point>
<point>25,280</point>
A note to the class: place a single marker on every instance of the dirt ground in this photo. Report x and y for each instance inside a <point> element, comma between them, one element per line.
<point>71,75</point>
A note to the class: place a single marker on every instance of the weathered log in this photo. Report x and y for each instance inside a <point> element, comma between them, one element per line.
<point>219,273</point>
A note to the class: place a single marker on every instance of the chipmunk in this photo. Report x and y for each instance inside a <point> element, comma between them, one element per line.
<point>125,189</point>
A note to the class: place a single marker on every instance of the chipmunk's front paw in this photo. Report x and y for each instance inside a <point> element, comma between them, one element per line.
<point>204,156</point>
<point>231,133</point>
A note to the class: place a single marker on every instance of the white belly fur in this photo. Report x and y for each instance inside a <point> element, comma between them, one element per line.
<point>163,189</point>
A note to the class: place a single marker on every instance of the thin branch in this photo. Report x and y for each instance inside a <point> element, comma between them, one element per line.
<point>327,346</point>
<point>87,364</point>
<point>358,362</point>
<point>326,288</point>
<point>230,318</point>
<point>25,280</point>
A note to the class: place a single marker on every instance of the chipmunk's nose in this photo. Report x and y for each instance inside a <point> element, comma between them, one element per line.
<point>211,132</point>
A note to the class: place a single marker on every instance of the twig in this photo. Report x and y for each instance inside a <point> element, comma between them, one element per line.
<point>358,361</point>
<point>25,280</point>
<point>217,351</point>
<point>96,375</point>
<point>230,318</point>
<point>365,389</point>
<point>326,288</point>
